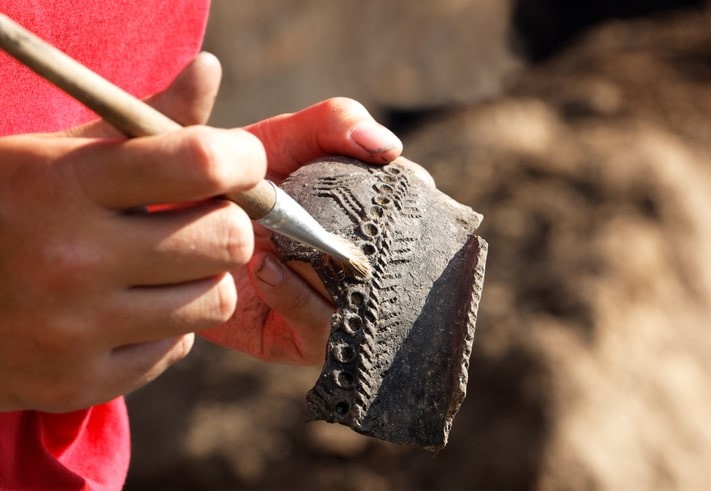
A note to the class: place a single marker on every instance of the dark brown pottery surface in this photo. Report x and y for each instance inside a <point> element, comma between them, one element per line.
<point>397,357</point>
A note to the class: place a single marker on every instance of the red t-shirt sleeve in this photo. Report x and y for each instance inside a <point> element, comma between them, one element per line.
<point>82,450</point>
<point>140,45</point>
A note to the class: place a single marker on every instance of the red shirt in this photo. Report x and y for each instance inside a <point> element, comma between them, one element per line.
<point>139,45</point>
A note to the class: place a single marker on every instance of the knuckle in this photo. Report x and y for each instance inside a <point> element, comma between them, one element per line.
<point>152,363</point>
<point>182,348</point>
<point>179,350</point>
<point>70,263</point>
<point>222,159</point>
<point>64,337</point>
<point>205,152</point>
<point>238,238</point>
<point>225,301</point>
<point>253,156</point>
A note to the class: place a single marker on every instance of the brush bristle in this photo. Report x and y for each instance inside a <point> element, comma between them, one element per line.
<point>359,266</point>
<point>352,258</point>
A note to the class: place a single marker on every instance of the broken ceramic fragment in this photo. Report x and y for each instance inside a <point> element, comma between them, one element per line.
<point>398,353</point>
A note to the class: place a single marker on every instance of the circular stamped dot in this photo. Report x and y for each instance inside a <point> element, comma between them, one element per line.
<point>352,323</point>
<point>356,298</point>
<point>393,170</point>
<point>375,212</point>
<point>383,201</point>
<point>369,229</point>
<point>368,248</point>
<point>342,408</point>
<point>343,353</point>
<point>343,379</point>
<point>384,188</point>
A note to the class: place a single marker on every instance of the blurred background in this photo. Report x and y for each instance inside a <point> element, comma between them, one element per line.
<point>582,131</point>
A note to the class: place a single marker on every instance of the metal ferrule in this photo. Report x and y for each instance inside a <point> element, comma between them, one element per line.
<point>289,218</point>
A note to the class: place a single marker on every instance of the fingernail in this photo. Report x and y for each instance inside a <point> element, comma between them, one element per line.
<point>271,272</point>
<point>374,138</point>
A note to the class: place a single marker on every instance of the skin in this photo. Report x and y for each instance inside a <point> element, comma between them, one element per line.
<point>98,298</point>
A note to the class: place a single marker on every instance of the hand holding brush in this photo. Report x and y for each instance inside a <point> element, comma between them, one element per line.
<point>265,202</point>
<point>97,302</point>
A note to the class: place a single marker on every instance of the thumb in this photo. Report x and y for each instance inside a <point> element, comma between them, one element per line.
<point>188,100</point>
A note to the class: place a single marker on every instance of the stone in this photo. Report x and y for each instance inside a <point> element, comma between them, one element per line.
<point>396,366</point>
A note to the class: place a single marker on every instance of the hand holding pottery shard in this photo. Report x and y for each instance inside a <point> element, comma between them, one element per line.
<point>398,353</point>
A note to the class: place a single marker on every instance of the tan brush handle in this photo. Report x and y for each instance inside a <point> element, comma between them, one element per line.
<point>123,111</point>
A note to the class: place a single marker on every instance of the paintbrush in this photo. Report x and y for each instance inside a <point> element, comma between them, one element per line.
<point>265,203</point>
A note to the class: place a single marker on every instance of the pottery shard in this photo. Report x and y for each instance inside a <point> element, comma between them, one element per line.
<point>398,353</point>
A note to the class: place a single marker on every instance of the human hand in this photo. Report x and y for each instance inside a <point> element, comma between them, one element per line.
<point>96,297</point>
<point>283,313</point>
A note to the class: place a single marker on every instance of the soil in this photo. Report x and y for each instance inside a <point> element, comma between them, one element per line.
<point>591,360</point>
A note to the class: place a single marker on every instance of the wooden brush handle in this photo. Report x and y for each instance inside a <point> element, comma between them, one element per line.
<point>123,111</point>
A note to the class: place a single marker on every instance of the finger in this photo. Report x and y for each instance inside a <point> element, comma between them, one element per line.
<point>191,97</point>
<point>154,313</point>
<point>336,126</point>
<point>177,246</point>
<point>113,374</point>
<point>188,100</point>
<point>191,164</point>
<point>130,367</point>
<point>298,329</point>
